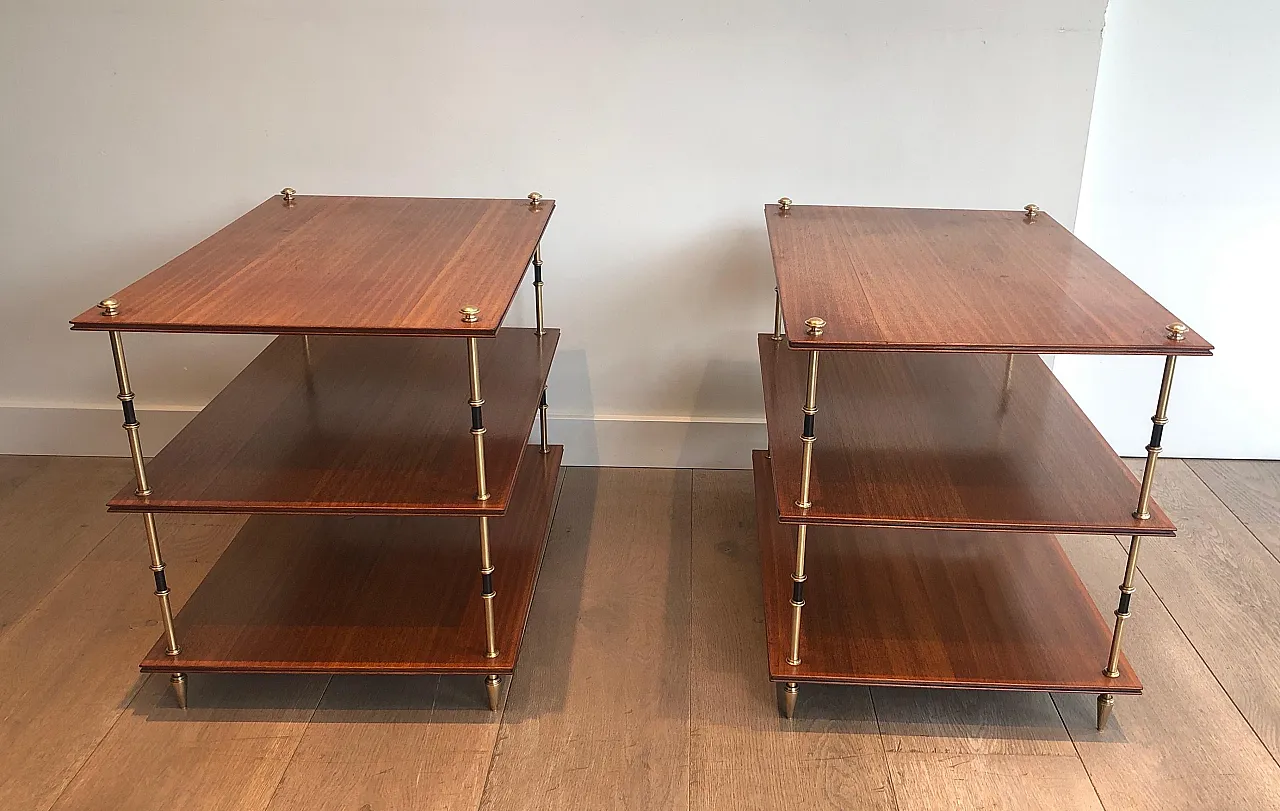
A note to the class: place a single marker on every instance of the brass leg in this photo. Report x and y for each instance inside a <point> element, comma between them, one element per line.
<point>798,576</point>
<point>493,687</point>
<point>1105,702</point>
<point>777,314</point>
<point>790,692</point>
<point>148,519</point>
<point>1112,670</point>
<point>542,422</point>
<point>487,592</point>
<point>537,286</point>
<point>178,681</point>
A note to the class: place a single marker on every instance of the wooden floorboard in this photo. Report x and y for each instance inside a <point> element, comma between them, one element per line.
<point>1251,490</point>
<point>43,534</point>
<point>598,714</point>
<point>69,664</point>
<point>1182,745</point>
<point>643,681</point>
<point>743,753</point>
<point>1223,588</point>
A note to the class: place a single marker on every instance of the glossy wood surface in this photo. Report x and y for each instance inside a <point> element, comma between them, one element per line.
<point>368,594</point>
<point>913,439</point>
<point>957,281</point>
<point>372,425</point>
<point>901,607</point>
<point>352,265</point>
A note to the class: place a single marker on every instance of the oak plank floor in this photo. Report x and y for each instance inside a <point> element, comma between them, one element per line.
<point>1251,490</point>
<point>1181,744</point>
<point>643,680</point>
<point>69,664</point>
<point>744,755</point>
<point>598,713</point>
<point>1223,587</point>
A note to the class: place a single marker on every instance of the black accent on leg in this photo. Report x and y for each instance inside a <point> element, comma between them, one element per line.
<point>161,585</point>
<point>477,418</point>
<point>130,416</point>
<point>808,425</point>
<point>797,591</point>
<point>543,402</point>
<point>1157,433</point>
<point>1124,602</point>
<point>486,583</point>
<point>537,273</point>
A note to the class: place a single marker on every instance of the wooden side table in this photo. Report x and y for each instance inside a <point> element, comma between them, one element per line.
<point>909,542</point>
<point>379,443</point>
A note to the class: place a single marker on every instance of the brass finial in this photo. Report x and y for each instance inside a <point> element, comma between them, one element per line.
<point>1177,331</point>
<point>470,314</point>
<point>110,307</point>
<point>1032,210</point>
<point>534,199</point>
<point>814,326</point>
<point>784,203</point>
<point>287,193</point>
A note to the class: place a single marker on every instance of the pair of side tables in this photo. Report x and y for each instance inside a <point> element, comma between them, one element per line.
<point>915,507</point>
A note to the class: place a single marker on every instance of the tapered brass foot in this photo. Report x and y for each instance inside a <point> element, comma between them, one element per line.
<point>178,681</point>
<point>493,686</point>
<point>1105,702</point>
<point>790,692</point>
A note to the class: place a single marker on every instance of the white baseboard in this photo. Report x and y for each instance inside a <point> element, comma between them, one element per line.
<point>614,441</point>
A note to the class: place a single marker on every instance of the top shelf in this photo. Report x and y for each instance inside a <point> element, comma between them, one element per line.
<point>342,265</point>
<point>940,280</point>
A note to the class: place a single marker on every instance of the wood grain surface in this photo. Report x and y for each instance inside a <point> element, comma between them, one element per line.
<point>598,714</point>
<point>373,425</point>
<point>349,265</point>
<point>1182,746</point>
<point>950,280</point>
<point>900,607</point>
<point>933,440</point>
<point>369,594</point>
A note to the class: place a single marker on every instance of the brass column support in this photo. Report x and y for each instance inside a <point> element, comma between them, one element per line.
<point>492,682</point>
<point>110,307</point>
<point>537,288</point>
<point>542,422</point>
<point>790,693</point>
<point>777,314</point>
<point>1106,701</point>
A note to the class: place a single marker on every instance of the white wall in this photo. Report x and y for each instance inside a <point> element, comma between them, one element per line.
<point>1182,193</point>
<point>133,129</point>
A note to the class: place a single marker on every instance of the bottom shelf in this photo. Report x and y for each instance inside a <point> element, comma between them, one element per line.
<point>367,594</point>
<point>931,608</point>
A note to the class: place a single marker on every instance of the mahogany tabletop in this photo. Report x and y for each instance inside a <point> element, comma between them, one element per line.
<point>342,265</point>
<point>941,280</point>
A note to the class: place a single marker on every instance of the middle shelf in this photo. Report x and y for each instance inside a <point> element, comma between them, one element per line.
<point>355,425</point>
<point>944,441</point>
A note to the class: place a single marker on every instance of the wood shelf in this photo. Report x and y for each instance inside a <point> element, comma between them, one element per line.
<point>902,607</point>
<point>368,594</point>
<point>932,440</point>
<point>371,425</point>
<point>344,265</point>
<point>939,280</point>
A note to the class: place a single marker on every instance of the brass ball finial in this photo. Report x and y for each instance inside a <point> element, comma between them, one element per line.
<point>784,203</point>
<point>109,307</point>
<point>534,199</point>
<point>287,193</point>
<point>813,326</point>
<point>470,314</point>
<point>1177,331</point>
<point>1032,210</point>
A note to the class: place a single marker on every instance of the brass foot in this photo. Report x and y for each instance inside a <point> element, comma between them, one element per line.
<point>790,692</point>
<point>1105,702</point>
<point>493,686</point>
<point>178,681</point>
